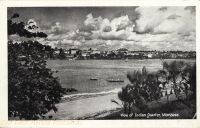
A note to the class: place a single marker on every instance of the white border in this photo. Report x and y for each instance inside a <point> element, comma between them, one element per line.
<point>183,123</point>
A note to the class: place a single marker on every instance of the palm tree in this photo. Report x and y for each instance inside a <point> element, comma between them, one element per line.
<point>126,97</point>
<point>189,76</point>
<point>135,77</point>
<point>174,72</point>
<point>138,80</point>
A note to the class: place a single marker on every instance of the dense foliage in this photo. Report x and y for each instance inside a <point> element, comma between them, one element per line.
<point>183,77</point>
<point>145,87</point>
<point>141,90</point>
<point>19,29</point>
<point>32,89</point>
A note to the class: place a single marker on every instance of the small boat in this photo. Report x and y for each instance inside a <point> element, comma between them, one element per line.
<point>92,78</point>
<point>115,80</point>
<point>126,59</point>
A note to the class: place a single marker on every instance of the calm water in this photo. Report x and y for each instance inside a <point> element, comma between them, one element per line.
<point>77,73</point>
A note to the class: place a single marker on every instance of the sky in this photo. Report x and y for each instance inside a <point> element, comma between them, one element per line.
<point>111,28</point>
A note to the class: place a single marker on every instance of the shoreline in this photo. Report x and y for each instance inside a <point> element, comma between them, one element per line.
<point>85,108</point>
<point>100,107</point>
<point>77,96</point>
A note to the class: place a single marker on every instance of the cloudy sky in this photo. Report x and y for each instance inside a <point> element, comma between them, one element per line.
<point>110,28</point>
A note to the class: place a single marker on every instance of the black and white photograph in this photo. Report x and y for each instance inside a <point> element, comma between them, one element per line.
<point>101,63</point>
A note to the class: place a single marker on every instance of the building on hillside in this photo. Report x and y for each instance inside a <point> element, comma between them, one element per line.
<point>85,55</point>
<point>95,52</point>
<point>173,56</point>
<point>150,55</point>
<point>73,51</point>
<point>57,51</point>
<point>122,50</point>
<point>66,51</point>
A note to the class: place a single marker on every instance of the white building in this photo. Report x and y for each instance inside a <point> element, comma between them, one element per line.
<point>150,55</point>
<point>96,52</point>
<point>73,51</point>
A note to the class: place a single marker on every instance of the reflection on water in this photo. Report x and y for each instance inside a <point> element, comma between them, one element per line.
<point>77,73</point>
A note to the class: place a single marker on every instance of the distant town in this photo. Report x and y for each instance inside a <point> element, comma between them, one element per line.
<point>77,54</point>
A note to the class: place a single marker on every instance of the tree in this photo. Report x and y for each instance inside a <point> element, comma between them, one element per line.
<point>173,71</point>
<point>178,71</point>
<point>61,54</point>
<point>143,88</point>
<point>135,94</point>
<point>144,85</point>
<point>189,76</point>
<point>125,95</point>
<point>32,89</point>
<point>19,29</point>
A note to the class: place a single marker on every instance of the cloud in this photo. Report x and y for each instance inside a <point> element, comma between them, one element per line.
<point>31,25</point>
<point>156,28</point>
<point>191,8</point>
<point>163,9</point>
<point>93,23</point>
<point>17,38</point>
<point>56,29</point>
<point>107,29</point>
<point>104,25</point>
<point>87,28</point>
<point>173,17</point>
<point>118,28</point>
<point>116,35</point>
<point>156,21</point>
<point>122,22</point>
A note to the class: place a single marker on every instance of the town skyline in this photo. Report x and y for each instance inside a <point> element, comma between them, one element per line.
<point>111,28</point>
<point>80,54</point>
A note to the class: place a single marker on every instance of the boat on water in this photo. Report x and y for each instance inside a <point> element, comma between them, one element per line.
<point>126,59</point>
<point>115,80</point>
<point>93,78</point>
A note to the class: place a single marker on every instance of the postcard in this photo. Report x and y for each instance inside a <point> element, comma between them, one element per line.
<point>99,63</point>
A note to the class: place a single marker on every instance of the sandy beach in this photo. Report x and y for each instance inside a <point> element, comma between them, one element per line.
<point>93,107</point>
<point>85,108</point>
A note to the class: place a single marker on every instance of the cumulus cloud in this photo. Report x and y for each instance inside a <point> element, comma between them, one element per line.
<point>156,21</point>
<point>121,23</point>
<point>174,28</point>
<point>191,8</point>
<point>56,29</point>
<point>31,26</point>
<point>117,29</point>
<point>156,28</point>
<point>107,29</point>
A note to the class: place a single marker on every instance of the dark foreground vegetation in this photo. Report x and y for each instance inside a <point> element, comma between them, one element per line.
<point>176,82</point>
<point>32,89</point>
<point>175,107</point>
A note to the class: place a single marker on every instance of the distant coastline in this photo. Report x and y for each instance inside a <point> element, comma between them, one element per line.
<point>79,54</point>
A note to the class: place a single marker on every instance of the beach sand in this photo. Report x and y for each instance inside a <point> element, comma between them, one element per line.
<point>86,108</point>
<point>94,106</point>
